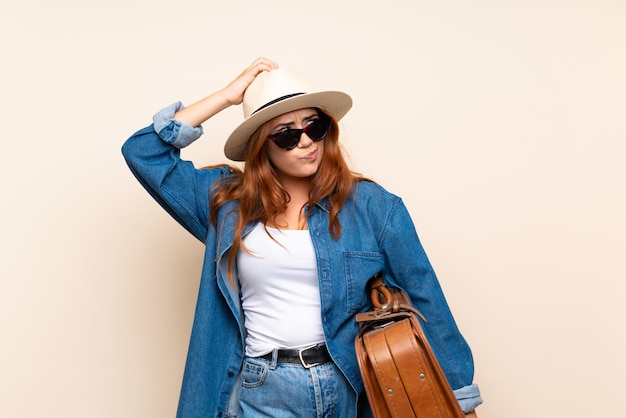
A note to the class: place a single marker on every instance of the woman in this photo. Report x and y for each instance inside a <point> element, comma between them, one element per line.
<point>291,241</point>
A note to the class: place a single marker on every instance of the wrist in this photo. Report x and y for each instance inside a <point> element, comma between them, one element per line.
<point>224,100</point>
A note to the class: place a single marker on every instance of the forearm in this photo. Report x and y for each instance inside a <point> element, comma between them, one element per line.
<point>199,112</point>
<point>471,415</point>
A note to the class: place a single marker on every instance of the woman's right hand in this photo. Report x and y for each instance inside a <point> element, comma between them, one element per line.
<point>198,112</point>
<point>234,91</point>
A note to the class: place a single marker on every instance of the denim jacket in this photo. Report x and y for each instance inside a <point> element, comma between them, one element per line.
<point>377,234</point>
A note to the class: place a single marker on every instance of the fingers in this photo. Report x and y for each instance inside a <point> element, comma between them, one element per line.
<point>258,66</point>
<point>235,90</point>
<point>264,64</point>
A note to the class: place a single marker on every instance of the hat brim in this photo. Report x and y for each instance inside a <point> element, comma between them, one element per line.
<point>335,103</point>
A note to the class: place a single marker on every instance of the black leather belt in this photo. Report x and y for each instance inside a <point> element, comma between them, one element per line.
<point>308,357</point>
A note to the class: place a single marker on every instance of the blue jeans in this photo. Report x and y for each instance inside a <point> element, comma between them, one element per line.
<point>284,390</point>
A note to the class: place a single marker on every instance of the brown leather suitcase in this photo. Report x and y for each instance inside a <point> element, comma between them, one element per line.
<point>401,374</point>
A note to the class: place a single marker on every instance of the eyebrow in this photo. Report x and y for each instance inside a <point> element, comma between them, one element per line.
<point>288,124</point>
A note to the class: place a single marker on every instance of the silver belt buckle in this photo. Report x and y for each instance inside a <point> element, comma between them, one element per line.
<point>307,365</point>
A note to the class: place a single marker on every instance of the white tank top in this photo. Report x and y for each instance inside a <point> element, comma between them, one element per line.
<point>279,290</point>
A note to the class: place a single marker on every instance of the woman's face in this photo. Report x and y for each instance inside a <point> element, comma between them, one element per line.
<point>303,160</point>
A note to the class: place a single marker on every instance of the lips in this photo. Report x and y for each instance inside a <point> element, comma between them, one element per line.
<point>310,156</point>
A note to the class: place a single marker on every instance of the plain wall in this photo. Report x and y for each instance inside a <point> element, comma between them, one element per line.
<point>501,124</point>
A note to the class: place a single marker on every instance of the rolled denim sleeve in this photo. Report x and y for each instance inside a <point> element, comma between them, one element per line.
<point>177,134</point>
<point>469,397</point>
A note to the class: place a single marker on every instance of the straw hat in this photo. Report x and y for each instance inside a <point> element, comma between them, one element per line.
<point>274,93</point>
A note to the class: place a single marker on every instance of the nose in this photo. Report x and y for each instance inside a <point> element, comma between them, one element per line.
<point>305,141</point>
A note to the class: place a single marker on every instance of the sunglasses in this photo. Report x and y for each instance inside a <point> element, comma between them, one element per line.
<point>317,129</point>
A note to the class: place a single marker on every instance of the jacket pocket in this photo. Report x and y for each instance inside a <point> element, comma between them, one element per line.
<point>359,268</point>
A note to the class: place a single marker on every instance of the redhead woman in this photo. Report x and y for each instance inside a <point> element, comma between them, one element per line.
<point>291,241</point>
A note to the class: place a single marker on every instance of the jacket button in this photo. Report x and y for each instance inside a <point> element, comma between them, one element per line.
<point>231,374</point>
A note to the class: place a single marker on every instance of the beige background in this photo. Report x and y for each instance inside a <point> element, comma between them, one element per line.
<point>501,123</point>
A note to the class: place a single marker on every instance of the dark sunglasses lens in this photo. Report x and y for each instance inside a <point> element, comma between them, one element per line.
<point>288,139</point>
<point>318,129</point>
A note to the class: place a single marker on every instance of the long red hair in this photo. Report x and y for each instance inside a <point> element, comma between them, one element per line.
<point>262,197</point>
